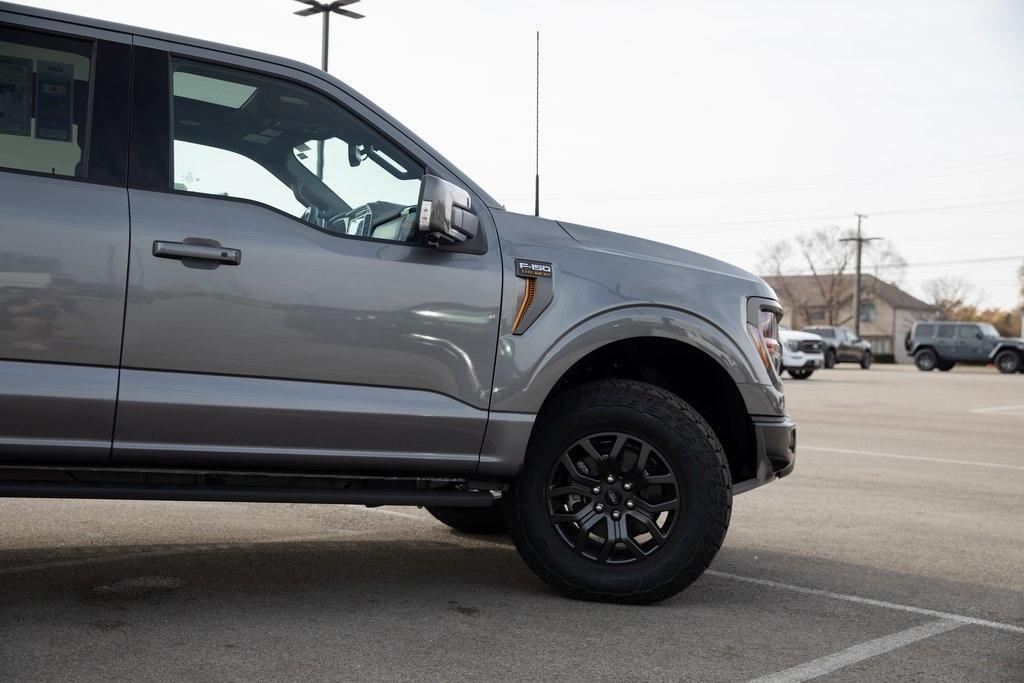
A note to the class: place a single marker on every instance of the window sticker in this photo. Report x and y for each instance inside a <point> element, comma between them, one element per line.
<point>55,84</point>
<point>15,96</point>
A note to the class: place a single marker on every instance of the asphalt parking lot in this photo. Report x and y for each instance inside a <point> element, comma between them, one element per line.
<point>895,550</point>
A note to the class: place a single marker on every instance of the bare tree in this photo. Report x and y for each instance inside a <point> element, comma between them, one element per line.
<point>951,295</point>
<point>830,264</point>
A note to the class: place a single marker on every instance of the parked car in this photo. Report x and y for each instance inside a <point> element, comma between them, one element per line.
<point>802,352</point>
<point>307,303</point>
<point>943,345</point>
<point>842,346</point>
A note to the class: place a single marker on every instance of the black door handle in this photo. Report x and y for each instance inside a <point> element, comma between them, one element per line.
<point>181,250</point>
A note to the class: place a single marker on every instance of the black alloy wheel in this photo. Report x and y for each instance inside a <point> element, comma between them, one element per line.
<point>1008,362</point>
<point>612,498</point>
<point>926,360</point>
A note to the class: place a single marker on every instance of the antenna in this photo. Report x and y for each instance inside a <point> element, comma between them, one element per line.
<point>536,159</point>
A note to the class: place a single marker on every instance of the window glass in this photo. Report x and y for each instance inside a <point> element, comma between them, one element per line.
<point>44,103</point>
<point>868,313</point>
<point>989,330</point>
<point>825,332</point>
<point>969,331</point>
<point>238,134</point>
<point>925,331</point>
<point>946,331</point>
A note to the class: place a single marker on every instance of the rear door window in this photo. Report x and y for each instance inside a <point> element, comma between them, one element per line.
<point>45,103</point>
<point>947,331</point>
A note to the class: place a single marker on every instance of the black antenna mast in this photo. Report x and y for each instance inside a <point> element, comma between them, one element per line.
<point>536,159</point>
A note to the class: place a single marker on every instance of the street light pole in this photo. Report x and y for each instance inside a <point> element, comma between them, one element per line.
<point>326,8</point>
<point>860,240</point>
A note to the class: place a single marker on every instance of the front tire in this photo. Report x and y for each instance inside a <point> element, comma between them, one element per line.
<point>926,360</point>
<point>625,495</point>
<point>489,520</point>
<point>830,359</point>
<point>800,373</point>
<point>865,361</point>
<point>1008,362</point>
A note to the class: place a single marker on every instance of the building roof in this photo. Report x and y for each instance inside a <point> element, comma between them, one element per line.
<point>807,289</point>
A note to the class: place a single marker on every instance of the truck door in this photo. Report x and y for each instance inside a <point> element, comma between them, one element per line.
<point>63,237</point>
<point>283,311</point>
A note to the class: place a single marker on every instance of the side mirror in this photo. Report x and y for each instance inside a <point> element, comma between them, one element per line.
<point>444,212</point>
<point>979,335</point>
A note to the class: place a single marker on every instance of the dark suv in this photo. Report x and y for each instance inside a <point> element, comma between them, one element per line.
<point>842,346</point>
<point>943,345</point>
<point>307,303</point>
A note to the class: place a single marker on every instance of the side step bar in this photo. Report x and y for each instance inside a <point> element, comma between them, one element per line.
<point>122,484</point>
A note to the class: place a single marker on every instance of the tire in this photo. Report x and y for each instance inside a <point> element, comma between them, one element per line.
<point>569,535</point>
<point>830,358</point>
<point>1008,361</point>
<point>865,361</point>
<point>926,360</point>
<point>946,366</point>
<point>489,520</point>
<point>800,373</point>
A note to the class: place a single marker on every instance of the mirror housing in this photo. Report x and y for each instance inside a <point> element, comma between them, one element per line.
<point>444,212</point>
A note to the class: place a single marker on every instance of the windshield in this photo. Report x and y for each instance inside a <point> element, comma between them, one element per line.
<point>988,330</point>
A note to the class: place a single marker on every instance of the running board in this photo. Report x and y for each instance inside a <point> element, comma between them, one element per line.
<point>122,484</point>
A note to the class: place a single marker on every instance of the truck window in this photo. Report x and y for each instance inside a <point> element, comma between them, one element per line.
<point>45,103</point>
<point>969,331</point>
<point>924,331</point>
<point>947,331</point>
<point>244,135</point>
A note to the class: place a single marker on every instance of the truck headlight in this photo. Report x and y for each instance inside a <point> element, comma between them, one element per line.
<point>763,316</point>
<point>793,345</point>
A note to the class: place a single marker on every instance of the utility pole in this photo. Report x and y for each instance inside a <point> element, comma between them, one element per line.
<point>326,8</point>
<point>860,240</point>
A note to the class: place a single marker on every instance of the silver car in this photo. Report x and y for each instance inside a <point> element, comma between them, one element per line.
<point>228,276</point>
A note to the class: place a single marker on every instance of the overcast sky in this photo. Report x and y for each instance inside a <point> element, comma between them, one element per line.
<point>712,125</point>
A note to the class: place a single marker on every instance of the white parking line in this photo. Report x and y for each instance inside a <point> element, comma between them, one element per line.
<point>869,601</point>
<point>859,652</point>
<point>1001,409</point>
<point>901,456</point>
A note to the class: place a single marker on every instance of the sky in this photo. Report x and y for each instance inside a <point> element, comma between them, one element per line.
<point>717,125</point>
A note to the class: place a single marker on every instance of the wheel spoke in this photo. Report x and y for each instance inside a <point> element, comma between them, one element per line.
<point>575,473</point>
<point>651,527</point>
<point>585,528</point>
<point>609,542</point>
<point>653,479</point>
<point>655,509</point>
<point>561,517</point>
<point>570,489</point>
<point>641,461</point>
<point>614,466</point>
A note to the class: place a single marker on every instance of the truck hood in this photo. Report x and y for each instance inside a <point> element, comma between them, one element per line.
<point>637,247</point>
<point>786,335</point>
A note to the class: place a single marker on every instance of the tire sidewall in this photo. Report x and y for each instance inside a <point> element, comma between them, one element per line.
<point>929,365</point>
<point>1008,354</point>
<point>687,539</point>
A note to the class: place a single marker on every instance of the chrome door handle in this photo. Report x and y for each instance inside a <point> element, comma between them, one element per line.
<point>182,250</point>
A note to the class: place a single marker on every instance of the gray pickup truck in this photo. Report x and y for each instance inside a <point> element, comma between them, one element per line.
<point>228,277</point>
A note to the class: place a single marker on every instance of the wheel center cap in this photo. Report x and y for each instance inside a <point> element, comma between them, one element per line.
<point>614,498</point>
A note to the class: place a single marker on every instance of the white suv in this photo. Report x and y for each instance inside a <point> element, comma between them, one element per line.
<point>802,352</point>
